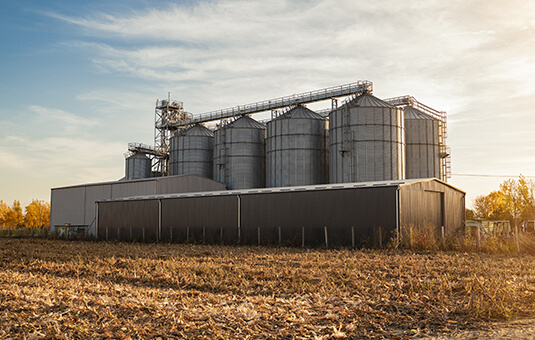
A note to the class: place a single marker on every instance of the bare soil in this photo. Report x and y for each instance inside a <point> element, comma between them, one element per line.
<point>67,289</point>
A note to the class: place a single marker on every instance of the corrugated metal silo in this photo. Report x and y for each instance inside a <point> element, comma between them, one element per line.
<point>137,166</point>
<point>191,152</point>
<point>422,138</point>
<point>296,149</point>
<point>239,159</point>
<point>366,141</point>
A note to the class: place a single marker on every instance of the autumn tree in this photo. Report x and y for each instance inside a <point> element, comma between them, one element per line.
<point>4,209</point>
<point>514,201</point>
<point>12,216</point>
<point>37,214</point>
<point>491,206</point>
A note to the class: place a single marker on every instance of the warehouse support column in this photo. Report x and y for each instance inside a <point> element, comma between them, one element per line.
<point>159,233</point>
<point>96,220</point>
<point>239,219</point>
<point>398,227</point>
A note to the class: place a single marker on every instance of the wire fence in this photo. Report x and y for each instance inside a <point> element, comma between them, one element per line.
<point>24,232</point>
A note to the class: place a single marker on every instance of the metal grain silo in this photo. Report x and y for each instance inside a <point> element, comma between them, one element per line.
<point>239,154</point>
<point>137,166</point>
<point>191,152</point>
<point>296,149</point>
<point>422,138</point>
<point>366,141</point>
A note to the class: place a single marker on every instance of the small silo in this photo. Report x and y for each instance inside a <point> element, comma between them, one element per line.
<point>296,149</point>
<point>366,141</point>
<point>239,159</point>
<point>137,166</point>
<point>422,138</point>
<point>191,152</point>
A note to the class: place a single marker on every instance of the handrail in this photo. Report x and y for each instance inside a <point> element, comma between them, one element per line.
<point>277,103</point>
<point>404,101</point>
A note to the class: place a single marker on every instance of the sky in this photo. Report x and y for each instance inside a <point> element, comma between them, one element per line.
<point>79,79</point>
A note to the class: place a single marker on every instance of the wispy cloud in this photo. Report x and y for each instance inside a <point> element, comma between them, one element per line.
<point>62,121</point>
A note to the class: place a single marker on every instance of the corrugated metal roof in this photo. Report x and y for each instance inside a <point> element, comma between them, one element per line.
<point>198,130</point>
<point>368,100</point>
<point>124,181</point>
<point>288,189</point>
<point>412,113</point>
<point>246,122</point>
<point>301,112</point>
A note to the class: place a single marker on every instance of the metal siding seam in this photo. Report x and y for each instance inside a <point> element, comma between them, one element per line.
<point>397,215</point>
<point>239,218</point>
<point>96,221</point>
<point>159,235</point>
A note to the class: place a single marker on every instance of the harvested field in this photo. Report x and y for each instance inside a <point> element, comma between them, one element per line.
<point>68,289</point>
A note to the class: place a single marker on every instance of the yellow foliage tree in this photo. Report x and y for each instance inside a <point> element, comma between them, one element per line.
<point>37,214</point>
<point>13,217</point>
<point>4,208</point>
<point>515,201</point>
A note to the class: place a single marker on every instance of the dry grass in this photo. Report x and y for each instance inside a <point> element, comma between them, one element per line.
<point>62,289</point>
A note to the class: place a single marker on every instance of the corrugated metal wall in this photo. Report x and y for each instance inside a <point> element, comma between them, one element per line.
<point>200,219</point>
<point>76,205</point>
<point>364,209</point>
<point>366,216</point>
<point>129,220</point>
<point>432,203</point>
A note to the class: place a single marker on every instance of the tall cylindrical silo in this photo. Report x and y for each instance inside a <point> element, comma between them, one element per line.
<point>191,152</point>
<point>422,138</point>
<point>296,149</point>
<point>137,166</point>
<point>239,157</point>
<point>366,141</point>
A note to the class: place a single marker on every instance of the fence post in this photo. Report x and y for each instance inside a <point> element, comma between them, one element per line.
<point>221,231</point>
<point>130,234</point>
<point>302,237</point>
<point>326,237</point>
<point>478,234</point>
<point>280,236</point>
<point>170,234</point>
<point>258,233</point>
<point>516,239</point>
<point>203,235</point>
<point>187,234</point>
<point>143,234</point>
<point>443,237</point>
<point>380,237</point>
<point>107,238</point>
<point>353,236</point>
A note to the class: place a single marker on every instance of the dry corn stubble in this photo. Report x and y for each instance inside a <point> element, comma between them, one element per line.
<point>61,289</point>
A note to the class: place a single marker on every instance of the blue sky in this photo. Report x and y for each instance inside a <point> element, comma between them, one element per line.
<point>79,79</point>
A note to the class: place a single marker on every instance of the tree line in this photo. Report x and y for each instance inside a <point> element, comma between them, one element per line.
<point>34,215</point>
<point>513,201</point>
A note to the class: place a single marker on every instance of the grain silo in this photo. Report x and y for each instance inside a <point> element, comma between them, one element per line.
<point>422,138</point>
<point>239,154</point>
<point>191,152</point>
<point>296,149</point>
<point>366,141</point>
<point>137,166</point>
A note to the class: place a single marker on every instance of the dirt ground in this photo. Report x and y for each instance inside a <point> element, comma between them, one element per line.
<point>514,330</point>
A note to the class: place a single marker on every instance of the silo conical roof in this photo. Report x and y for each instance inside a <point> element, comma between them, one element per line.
<point>301,112</point>
<point>247,123</point>
<point>368,100</point>
<point>198,130</point>
<point>412,113</point>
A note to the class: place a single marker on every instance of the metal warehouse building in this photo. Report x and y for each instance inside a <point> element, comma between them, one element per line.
<point>75,205</point>
<point>349,214</point>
